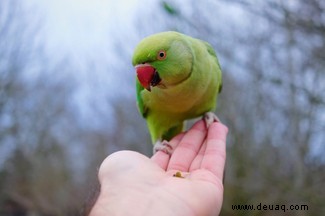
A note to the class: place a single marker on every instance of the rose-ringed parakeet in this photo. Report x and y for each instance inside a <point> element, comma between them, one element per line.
<point>178,78</point>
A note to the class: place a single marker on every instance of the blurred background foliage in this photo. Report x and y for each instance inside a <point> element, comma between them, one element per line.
<point>59,118</point>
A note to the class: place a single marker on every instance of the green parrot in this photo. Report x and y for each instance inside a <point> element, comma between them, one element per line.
<point>178,78</point>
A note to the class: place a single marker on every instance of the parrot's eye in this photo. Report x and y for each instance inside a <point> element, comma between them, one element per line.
<point>161,55</point>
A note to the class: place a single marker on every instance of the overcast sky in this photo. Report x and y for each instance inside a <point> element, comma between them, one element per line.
<point>89,31</point>
<point>81,25</point>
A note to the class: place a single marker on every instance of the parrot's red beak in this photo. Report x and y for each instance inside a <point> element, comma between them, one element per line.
<point>147,76</point>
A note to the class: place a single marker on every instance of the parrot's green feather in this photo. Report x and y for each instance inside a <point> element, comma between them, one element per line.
<point>142,109</point>
<point>168,135</point>
<point>190,82</point>
<point>213,53</point>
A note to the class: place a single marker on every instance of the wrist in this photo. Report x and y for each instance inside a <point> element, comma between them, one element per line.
<point>138,203</point>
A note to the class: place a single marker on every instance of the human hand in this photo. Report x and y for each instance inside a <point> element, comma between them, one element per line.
<point>132,184</point>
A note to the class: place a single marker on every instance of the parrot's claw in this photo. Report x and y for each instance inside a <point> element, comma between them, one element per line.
<point>209,118</point>
<point>163,146</point>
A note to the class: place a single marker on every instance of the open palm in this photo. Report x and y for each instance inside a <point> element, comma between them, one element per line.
<point>132,184</point>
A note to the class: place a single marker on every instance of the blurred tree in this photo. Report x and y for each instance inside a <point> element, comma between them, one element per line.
<point>36,120</point>
<point>50,153</point>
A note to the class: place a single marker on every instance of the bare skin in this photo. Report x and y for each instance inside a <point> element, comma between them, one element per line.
<point>164,145</point>
<point>188,182</point>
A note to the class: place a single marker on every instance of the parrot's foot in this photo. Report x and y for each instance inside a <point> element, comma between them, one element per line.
<point>163,146</point>
<point>209,118</point>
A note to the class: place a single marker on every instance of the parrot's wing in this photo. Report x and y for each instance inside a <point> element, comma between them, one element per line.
<point>213,53</point>
<point>142,108</point>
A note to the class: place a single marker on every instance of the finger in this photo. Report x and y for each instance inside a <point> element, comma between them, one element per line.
<point>188,148</point>
<point>196,164</point>
<point>215,153</point>
<point>161,158</point>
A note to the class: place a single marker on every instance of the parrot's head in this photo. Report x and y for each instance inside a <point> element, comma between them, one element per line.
<point>163,60</point>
